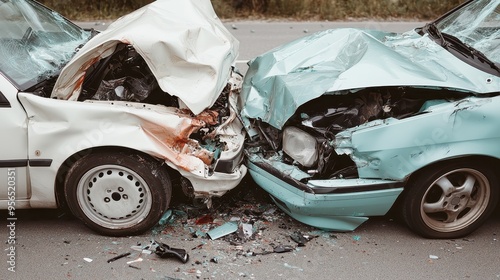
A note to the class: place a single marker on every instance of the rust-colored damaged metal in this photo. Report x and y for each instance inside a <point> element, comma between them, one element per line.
<point>210,117</point>
<point>176,142</point>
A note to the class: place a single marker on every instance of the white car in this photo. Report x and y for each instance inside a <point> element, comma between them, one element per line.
<point>106,122</point>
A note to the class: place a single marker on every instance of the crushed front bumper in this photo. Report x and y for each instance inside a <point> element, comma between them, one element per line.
<point>339,205</point>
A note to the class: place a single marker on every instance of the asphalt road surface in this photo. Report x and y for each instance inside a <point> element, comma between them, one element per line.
<point>54,245</point>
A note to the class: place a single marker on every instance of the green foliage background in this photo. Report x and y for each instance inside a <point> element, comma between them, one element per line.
<point>264,9</point>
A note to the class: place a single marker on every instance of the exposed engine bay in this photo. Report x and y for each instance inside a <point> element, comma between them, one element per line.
<point>307,139</point>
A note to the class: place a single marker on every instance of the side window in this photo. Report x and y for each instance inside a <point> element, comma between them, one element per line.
<point>4,103</point>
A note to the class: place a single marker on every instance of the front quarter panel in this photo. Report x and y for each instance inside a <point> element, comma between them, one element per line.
<point>393,149</point>
<point>58,129</point>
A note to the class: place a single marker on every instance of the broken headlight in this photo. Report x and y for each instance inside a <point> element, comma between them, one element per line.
<point>300,146</point>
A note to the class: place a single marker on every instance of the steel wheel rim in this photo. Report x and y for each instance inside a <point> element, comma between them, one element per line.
<point>114,196</point>
<point>464,198</point>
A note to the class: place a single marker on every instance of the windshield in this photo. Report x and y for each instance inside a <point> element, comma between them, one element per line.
<point>35,42</point>
<point>478,25</point>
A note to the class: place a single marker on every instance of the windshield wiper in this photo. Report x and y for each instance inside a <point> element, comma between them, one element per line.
<point>433,31</point>
<point>448,42</point>
<point>466,49</point>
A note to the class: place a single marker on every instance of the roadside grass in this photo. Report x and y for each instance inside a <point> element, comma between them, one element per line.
<point>275,9</point>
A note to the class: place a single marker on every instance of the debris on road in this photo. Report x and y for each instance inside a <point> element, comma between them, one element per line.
<point>245,230</point>
<point>134,267</point>
<point>239,225</point>
<point>223,230</point>
<point>433,257</point>
<point>166,218</point>
<point>301,239</point>
<point>119,257</point>
<point>164,251</point>
<point>134,261</point>
<point>293,267</point>
<point>283,249</point>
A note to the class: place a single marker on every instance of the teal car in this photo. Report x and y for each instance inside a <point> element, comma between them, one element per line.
<point>345,124</point>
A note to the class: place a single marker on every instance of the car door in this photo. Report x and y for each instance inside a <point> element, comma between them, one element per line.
<point>13,146</point>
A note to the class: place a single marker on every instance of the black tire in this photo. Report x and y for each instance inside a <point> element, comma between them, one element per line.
<point>451,200</point>
<point>118,194</point>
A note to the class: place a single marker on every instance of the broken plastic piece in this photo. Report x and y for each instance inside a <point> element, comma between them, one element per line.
<point>134,261</point>
<point>222,230</point>
<point>119,257</point>
<point>293,267</point>
<point>166,218</point>
<point>144,250</point>
<point>164,251</point>
<point>247,230</point>
<point>198,233</point>
<point>263,253</point>
<point>87,259</point>
<point>300,238</point>
<point>283,249</point>
<point>135,267</point>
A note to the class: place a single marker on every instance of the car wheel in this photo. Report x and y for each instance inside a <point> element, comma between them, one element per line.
<point>450,201</point>
<point>118,194</point>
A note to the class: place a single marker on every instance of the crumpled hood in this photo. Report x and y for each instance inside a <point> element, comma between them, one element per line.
<point>184,43</point>
<point>335,61</point>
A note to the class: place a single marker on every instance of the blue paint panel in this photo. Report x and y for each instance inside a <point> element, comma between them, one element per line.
<point>339,212</point>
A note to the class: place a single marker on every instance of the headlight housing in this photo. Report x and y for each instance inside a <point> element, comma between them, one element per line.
<point>300,146</point>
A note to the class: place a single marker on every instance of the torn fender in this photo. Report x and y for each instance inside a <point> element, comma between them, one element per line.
<point>393,149</point>
<point>63,128</point>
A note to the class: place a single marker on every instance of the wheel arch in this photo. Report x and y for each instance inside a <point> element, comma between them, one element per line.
<point>483,159</point>
<point>71,160</point>
<point>487,160</point>
<point>417,187</point>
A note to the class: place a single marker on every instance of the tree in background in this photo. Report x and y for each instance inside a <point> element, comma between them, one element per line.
<point>94,9</point>
<point>289,9</point>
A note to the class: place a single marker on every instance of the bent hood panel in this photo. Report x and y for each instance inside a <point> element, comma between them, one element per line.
<point>337,60</point>
<point>187,47</point>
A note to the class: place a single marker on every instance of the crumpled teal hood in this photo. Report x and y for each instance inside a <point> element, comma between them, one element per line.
<point>339,61</point>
